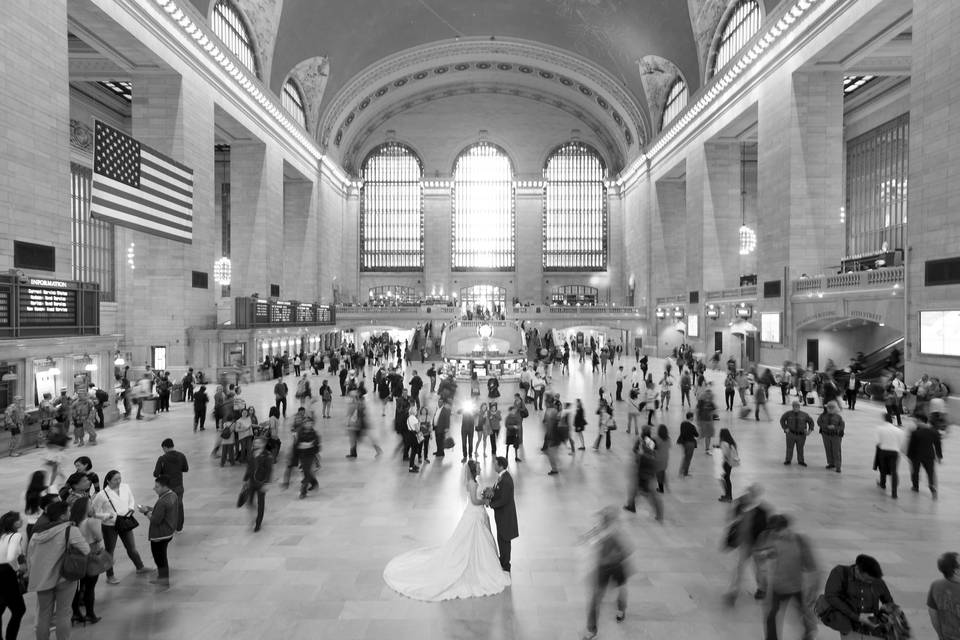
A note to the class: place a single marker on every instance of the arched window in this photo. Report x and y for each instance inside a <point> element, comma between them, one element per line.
<point>483,213</point>
<point>292,101</point>
<point>741,25</point>
<point>391,210</point>
<point>676,101</point>
<point>394,294</point>
<point>230,27</point>
<point>575,210</point>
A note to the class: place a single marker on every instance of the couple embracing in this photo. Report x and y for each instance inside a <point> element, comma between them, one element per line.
<point>467,565</point>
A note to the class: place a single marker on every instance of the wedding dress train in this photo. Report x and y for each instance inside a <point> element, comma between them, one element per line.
<point>465,566</point>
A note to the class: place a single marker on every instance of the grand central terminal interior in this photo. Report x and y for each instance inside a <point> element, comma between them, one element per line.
<point>626,210</point>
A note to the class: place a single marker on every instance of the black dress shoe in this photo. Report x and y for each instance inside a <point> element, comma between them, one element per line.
<point>802,464</point>
<point>93,619</point>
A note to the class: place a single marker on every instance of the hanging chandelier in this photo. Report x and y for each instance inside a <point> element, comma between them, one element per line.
<point>748,240</point>
<point>222,271</point>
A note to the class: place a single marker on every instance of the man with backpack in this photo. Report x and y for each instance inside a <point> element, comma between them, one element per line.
<point>792,575</point>
<point>101,398</point>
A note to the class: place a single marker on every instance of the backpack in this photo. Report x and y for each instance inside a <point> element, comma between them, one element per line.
<point>327,394</point>
<point>226,432</point>
<point>102,396</point>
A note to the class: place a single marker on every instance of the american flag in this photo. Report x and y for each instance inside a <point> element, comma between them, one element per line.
<point>136,187</point>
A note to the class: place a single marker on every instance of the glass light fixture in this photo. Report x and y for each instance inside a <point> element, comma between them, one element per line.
<point>118,359</point>
<point>222,271</point>
<point>90,364</point>
<point>748,240</point>
<point>52,367</point>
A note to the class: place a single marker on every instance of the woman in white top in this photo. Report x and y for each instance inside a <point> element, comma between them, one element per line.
<point>12,551</point>
<point>116,499</point>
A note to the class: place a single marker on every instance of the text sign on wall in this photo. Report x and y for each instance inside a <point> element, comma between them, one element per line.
<point>47,303</point>
<point>253,312</point>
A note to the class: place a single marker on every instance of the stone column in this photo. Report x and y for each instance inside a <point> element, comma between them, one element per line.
<point>932,230</point>
<point>256,218</point>
<point>800,173</point>
<point>528,280</point>
<point>668,269</point>
<point>300,249</point>
<point>718,187</point>
<point>35,136</point>
<point>437,207</point>
<point>174,116</point>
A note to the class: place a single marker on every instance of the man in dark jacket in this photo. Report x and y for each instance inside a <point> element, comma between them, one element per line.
<point>796,425</point>
<point>416,384</point>
<point>173,465</point>
<point>924,450</point>
<point>200,401</point>
<point>504,512</point>
<point>441,426</point>
<point>164,516</point>
<point>257,478</point>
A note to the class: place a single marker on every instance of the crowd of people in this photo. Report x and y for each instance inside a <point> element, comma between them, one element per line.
<point>75,514</point>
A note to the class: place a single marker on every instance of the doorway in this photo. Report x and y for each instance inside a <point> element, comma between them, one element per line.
<point>813,353</point>
<point>483,297</point>
<point>751,347</point>
<point>718,341</point>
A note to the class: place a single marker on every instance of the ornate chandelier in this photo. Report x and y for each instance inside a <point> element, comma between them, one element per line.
<point>222,271</point>
<point>748,240</point>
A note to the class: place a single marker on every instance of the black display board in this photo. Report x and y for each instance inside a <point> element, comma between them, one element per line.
<point>43,307</point>
<point>254,312</point>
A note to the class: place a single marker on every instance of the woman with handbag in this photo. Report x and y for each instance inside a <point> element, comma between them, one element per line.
<point>114,507</point>
<point>12,571</point>
<point>98,561</point>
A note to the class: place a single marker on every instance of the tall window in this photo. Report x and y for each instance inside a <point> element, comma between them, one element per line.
<point>575,210</point>
<point>483,212</point>
<point>92,242</point>
<point>740,27</point>
<point>676,101</point>
<point>877,170</point>
<point>229,26</point>
<point>391,210</point>
<point>293,102</point>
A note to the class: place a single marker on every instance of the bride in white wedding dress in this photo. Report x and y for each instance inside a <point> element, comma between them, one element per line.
<point>465,566</point>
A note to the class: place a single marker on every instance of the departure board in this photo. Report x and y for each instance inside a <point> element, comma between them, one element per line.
<point>254,312</point>
<point>48,303</point>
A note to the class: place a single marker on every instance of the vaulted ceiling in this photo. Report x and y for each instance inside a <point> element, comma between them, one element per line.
<point>583,54</point>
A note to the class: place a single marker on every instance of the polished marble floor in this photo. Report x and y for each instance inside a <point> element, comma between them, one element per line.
<point>314,571</point>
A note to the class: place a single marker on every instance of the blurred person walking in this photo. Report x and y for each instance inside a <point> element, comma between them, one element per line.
<point>613,551</point>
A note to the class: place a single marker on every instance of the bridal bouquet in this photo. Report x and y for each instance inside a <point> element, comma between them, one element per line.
<point>487,493</point>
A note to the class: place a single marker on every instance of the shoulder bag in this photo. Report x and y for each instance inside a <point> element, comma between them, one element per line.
<point>74,565</point>
<point>122,523</point>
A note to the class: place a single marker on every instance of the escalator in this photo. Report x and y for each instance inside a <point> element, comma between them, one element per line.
<point>882,362</point>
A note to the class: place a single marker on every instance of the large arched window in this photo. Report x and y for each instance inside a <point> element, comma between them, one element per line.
<point>391,210</point>
<point>676,102</point>
<point>483,214</point>
<point>230,27</point>
<point>741,25</point>
<point>292,101</point>
<point>575,210</point>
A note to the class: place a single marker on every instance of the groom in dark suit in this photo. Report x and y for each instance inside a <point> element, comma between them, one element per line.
<point>504,512</point>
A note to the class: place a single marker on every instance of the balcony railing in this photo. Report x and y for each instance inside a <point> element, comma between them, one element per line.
<point>849,281</point>
<point>538,312</point>
<point>678,299</point>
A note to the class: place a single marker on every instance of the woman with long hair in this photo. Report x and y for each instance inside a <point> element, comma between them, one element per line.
<point>116,499</point>
<point>86,588</point>
<point>483,430</point>
<point>12,554</point>
<point>32,509</point>
<point>731,459</point>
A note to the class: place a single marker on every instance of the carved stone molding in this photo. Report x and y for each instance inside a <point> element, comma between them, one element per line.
<point>497,56</point>
<point>264,19</point>
<point>614,155</point>
<point>81,136</point>
<point>311,76</point>
<point>657,75</point>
